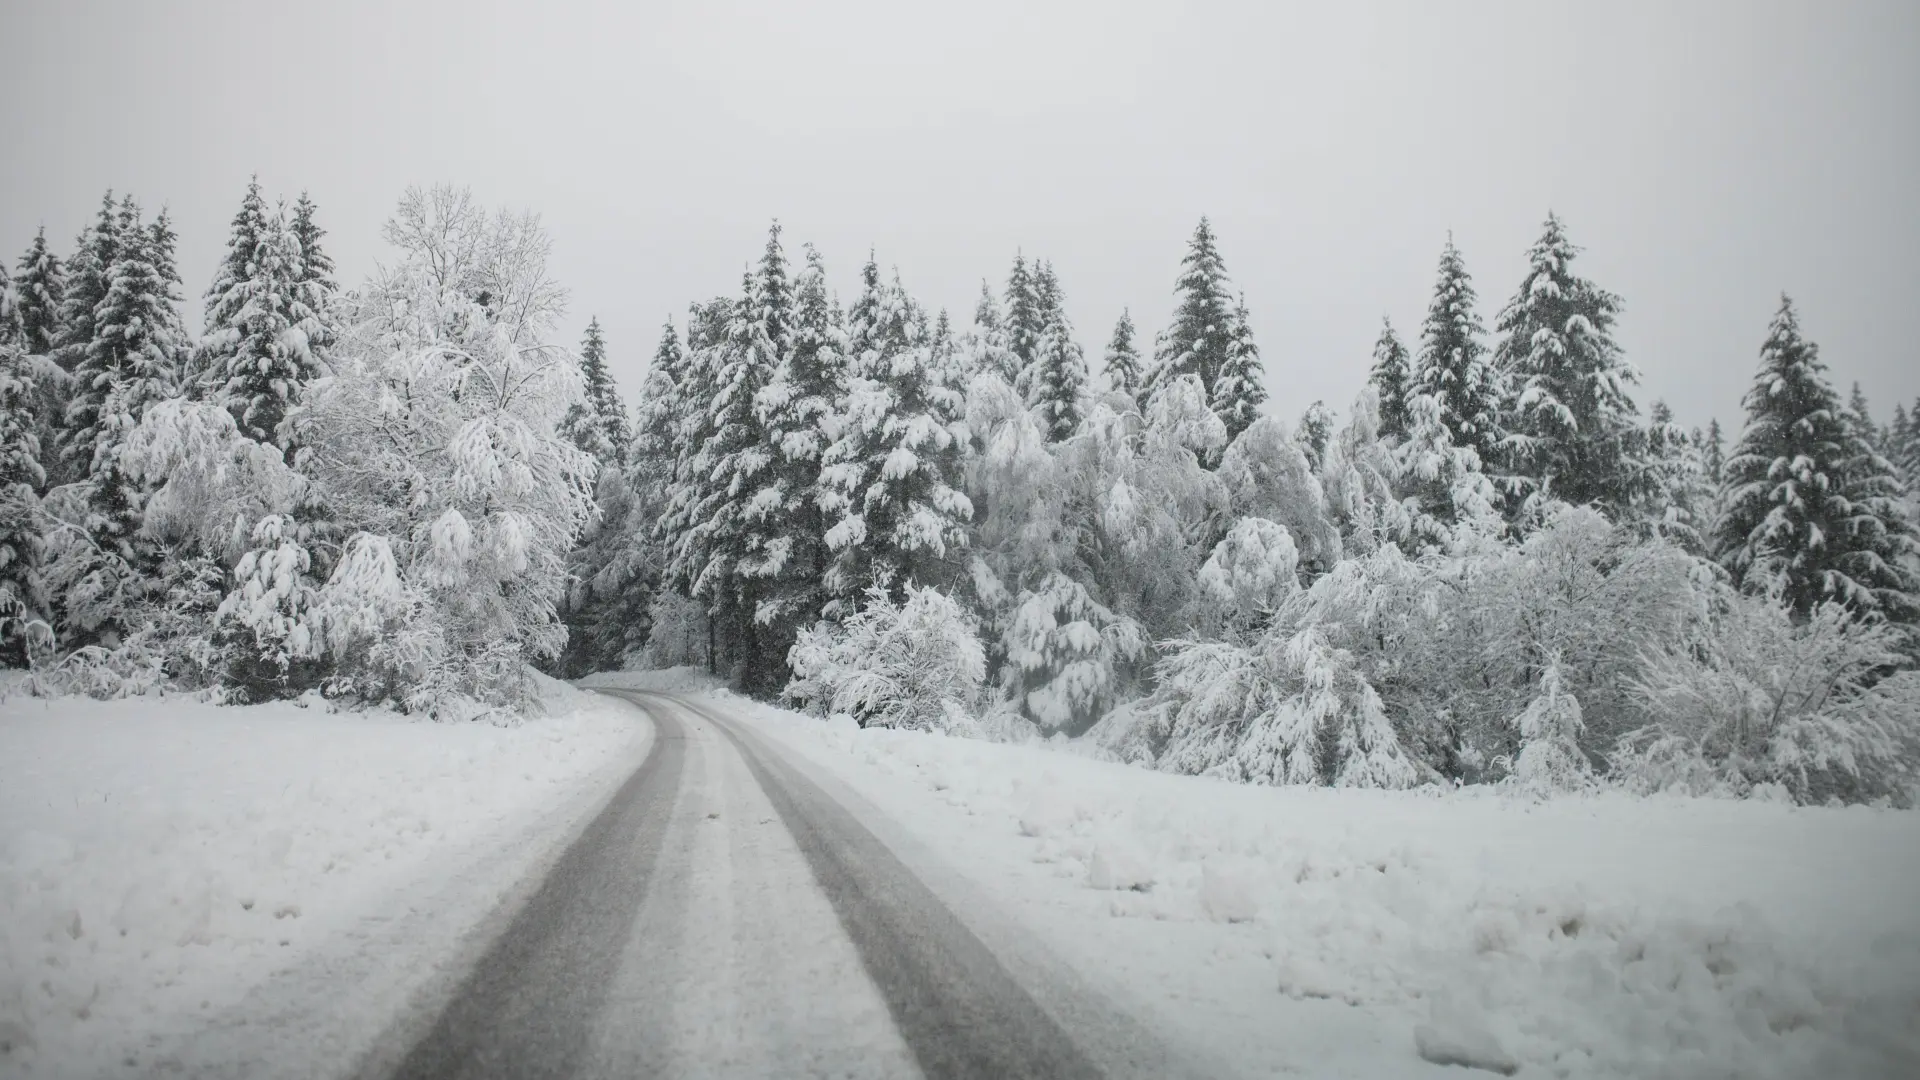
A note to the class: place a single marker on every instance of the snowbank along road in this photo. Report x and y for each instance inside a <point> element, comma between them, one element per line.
<point>727,916</point>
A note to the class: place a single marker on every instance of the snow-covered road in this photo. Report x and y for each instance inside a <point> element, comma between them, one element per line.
<point>726,917</point>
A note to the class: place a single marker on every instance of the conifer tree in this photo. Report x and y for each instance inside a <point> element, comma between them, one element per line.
<point>258,354</point>
<point>987,342</point>
<point>1239,387</point>
<point>1122,361</point>
<point>86,284</point>
<point>1023,325</point>
<point>1575,431</point>
<point>1057,379</point>
<point>1861,416</point>
<point>1716,452</point>
<point>1201,338</point>
<point>38,290</point>
<point>863,320</point>
<point>1392,380</point>
<point>22,603</point>
<point>1807,505</point>
<point>315,265</point>
<point>891,481</point>
<point>1681,494</point>
<point>796,408</point>
<point>224,296</point>
<point>1314,433</point>
<point>598,425</point>
<point>1453,365</point>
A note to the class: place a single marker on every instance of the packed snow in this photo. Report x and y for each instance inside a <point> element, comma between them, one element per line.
<point>1379,933</point>
<point>160,857</point>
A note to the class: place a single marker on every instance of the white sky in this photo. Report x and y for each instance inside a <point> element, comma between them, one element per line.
<point>1707,154</point>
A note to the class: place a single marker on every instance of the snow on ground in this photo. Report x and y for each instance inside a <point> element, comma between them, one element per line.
<point>1380,934</point>
<point>665,680</point>
<point>160,857</point>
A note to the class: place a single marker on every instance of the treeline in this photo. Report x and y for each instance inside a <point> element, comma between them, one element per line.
<point>1494,566</point>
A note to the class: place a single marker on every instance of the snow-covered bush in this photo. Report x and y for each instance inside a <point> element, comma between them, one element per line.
<point>1252,571</point>
<point>1756,697</point>
<point>916,664</point>
<point>1550,756</point>
<point>1063,651</point>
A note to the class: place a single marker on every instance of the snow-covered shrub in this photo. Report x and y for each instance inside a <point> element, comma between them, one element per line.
<point>127,670</point>
<point>1268,475</point>
<point>1252,571</point>
<point>1063,651</point>
<point>265,623</point>
<point>1550,756</point>
<point>1756,697</point>
<point>915,664</point>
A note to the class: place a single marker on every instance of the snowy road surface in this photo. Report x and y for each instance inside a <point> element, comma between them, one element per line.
<point>724,916</point>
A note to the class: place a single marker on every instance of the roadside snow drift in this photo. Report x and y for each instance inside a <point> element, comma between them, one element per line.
<point>159,857</point>
<point>1378,934</point>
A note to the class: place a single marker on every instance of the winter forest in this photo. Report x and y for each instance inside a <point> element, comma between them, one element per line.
<point>1491,566</point>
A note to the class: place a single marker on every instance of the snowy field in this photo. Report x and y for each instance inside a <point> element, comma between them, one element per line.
<point>160,857</point>
<point>1372,934</point>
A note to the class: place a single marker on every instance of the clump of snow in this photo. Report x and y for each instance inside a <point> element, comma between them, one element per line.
<point>160,857</point>
<point>1319,930</point>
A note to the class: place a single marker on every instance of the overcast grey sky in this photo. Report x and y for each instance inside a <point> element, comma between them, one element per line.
<point>1707,154</point>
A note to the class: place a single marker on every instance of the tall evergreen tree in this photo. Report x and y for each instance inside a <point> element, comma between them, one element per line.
<point>1861,416</point>
<point>863,321</point>
<point>1201,338</point>
<point>1808,505</point>
<point>315,265</point>
<point>1392,380</point>
<point>1681,496</point>
<point>22,603</point>
<point>38,289</point>
<point>796,408</point>
<point>1575,431</point>
<point>1122,361</point>
<point>598,424</point>
<point>1453,366</point>
<point>258,354</point>
<point>1024,323</point>
<point>892,479</point>
<point>1239,387</point>
<point>225,296</point>
<point>1716,452</point>
<point>86,284</point>
<point>1057,379</point>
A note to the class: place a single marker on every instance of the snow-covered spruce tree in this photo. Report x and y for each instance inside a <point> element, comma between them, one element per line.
<point>1057,379</point>
<point>1239,387</point>
<point>208,371</point>
<point>1358,480</point>
<point>1807,507</point>
<point>1715,453</point>
<point>1442,486</point>
<point>1023,324</point>
<point>913,664</point>
<point>258,354</point>
<point>86,283</point>
<point>891,480</point>
<point>38,288</point>
<point>1122,360</point>
<point>1453,366</point>
<point>598,425</point>
<point>1550,758</point>
<point>984,346</point>
<point>796,409</point>
<point>316,266</point>
<point>24,618</point>
<point>100,565</point>
<point>435,444</point>
<point>1680,501</point>
<point>1201,339</point>
<point>1392,380</point>
<point>1574,431</point>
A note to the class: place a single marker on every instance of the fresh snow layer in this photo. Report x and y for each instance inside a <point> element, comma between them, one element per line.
<point>1379,934</point>
<point>159,858</point>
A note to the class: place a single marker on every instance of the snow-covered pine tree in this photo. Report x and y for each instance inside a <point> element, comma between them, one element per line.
<point>1239,387</point>
<point>1806,505</point>
<point>1314,433</point>
<point>891,481</point>
<point>1453,366</point>
<point>1122,361</point>
<point>1392,381</point>
<point>258,354</point>
<point>1860,414</point>
<point>1057,379</point>
<point>986,343</point>
<point>1680,498</point>
<point>86,284</point>
<point>23,615</point>
<point>1023,325</point>
<point>796,408</point>
<point>225,297</point>
<point>1575,432</point>
<point>598,425</point>
<point>863,320</point>
<point>38,288</point>
<point>131,362</point>
<point>1715,449</point>
<point>316,267</point>
<point>1200,338</point>
<point>1899,439</point>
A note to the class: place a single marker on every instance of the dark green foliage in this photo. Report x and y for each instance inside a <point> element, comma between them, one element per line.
<point>1392,382</point>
